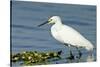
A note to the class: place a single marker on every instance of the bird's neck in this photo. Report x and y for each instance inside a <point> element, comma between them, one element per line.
<point>58,25</point>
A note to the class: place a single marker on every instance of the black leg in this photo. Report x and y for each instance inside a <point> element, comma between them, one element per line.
<point>91,53</point>
<point>71,57</point>
<point>79,52</point>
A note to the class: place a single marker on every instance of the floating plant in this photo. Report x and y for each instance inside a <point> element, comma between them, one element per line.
<point>34,57</point>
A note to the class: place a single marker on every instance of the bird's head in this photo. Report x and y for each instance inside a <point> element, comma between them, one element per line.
<point>51,20</point>
<point>54,19</point>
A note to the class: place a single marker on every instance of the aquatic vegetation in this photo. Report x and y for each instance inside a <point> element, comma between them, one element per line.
<point>34,57</point>
<point>40,58</point>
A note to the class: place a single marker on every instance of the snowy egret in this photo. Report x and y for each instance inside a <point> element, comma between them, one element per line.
<point>67,35</point>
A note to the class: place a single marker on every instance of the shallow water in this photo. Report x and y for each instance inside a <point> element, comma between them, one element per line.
<point>26,36</point>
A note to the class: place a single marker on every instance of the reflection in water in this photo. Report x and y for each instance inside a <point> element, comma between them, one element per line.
<point>84,58</point>
<point>90,58</point>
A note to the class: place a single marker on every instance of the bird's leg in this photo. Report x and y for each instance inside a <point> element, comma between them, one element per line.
<point>79,52</point>
<point>71,55</point>
<point>91,53</point>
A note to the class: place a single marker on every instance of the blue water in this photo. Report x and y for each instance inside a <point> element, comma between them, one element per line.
<point>26,36</point>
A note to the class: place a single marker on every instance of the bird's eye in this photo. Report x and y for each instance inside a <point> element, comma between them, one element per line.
<point>49,20</point>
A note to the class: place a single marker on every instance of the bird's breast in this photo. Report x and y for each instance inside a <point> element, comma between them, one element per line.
<point>56,34</point>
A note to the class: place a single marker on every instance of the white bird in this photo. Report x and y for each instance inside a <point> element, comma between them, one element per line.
<point>67,35</point>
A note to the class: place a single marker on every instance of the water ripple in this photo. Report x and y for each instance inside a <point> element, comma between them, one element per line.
<point>77,22</point>
<point>27,27</point>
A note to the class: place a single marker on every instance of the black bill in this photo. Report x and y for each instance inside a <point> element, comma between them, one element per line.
<point>43,23</point>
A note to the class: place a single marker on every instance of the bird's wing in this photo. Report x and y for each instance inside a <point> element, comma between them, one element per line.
<point>71,36</point>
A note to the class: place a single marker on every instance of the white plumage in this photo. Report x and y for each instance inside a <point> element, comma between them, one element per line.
<point>67,35</point>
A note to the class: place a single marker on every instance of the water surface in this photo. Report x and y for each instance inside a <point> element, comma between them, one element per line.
<point>26,36</point>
